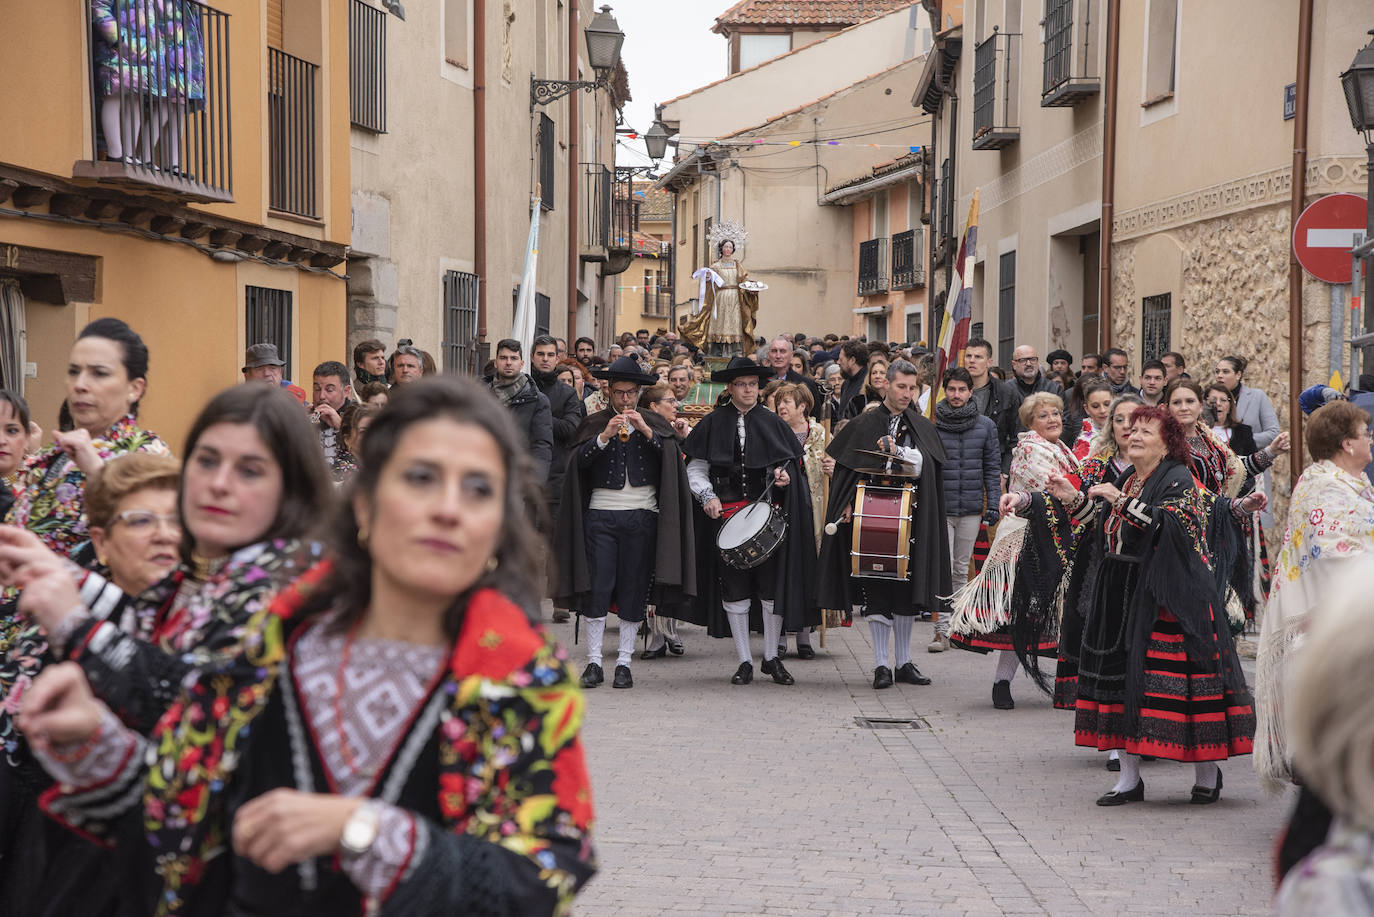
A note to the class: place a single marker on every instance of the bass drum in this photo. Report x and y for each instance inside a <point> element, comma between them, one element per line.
<point>881,546</point>
<point>750,536</point>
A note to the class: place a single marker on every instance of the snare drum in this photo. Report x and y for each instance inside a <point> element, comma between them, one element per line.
<point>750,536</point>
<point>881,544</point>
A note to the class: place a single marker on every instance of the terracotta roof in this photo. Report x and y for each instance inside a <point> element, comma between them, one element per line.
<point>804,12</point>
<point>655,206</point>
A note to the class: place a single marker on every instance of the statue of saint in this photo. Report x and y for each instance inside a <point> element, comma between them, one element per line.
<point>725,324</point>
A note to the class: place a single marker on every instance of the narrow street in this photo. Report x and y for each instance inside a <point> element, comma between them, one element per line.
<point>715,799</point>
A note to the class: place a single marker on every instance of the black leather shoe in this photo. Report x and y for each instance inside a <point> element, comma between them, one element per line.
<point>1001,695</point>
<point>780,675</point>
<point>622,677</point>
<point>592,675</point>
<point>1120,799</point>
<point>1114,765</point>
<point>655,654</point>
<point>675,647</point>
<point>804,651</point>
<point>1202,796</point>
<point>743,675</point>
<point>882,677</point>
<point>909,674</point>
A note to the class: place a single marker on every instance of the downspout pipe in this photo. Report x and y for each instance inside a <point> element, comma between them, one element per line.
<point>479,171</point>
<point>574,129</point>
<point>1104,233</point>
<point>1295,272</point>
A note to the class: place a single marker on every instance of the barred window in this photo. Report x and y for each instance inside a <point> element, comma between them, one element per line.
<point>268,320</point>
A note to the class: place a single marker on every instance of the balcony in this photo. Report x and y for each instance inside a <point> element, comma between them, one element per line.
<point>292,125</point>
<point>872,267</point>
<point>160,98</point>
<point>996,61</point>
<point>907,270</point>
<point>1070,53</point>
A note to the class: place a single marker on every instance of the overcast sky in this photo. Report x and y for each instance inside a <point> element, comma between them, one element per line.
<point>669,49</point>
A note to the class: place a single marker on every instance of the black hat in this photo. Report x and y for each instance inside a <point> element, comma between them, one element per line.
<point>625,369</point>
<point>1059,355</point>
<point>739,366</point>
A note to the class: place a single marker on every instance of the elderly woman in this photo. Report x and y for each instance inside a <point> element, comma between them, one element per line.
<point>107,377</point>
<point>990,613</point>
<point>793,403</point>
<point>131,505</point>
<point>1330,521</point>
<point>1332,726</point>
<point>1158,673</point>
<point>274,786</point>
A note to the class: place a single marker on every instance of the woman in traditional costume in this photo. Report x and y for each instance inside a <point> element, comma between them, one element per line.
<point>1158,671</point>
<point>1330,520</point>
<point>990,612</point>
<point>274,785</point>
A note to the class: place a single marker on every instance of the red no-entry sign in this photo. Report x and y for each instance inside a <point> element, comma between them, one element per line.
<point>1325,233</point>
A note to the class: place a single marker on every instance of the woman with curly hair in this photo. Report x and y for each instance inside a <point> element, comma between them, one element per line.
<point>1158,671</point>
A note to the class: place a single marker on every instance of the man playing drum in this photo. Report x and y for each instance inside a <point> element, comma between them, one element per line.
<point>625,529</point>
<point>892,596</point>
<point>734,454</point>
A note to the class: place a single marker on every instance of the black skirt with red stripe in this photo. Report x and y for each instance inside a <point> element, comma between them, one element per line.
<point>999,639</point>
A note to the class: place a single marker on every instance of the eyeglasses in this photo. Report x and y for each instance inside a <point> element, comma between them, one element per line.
<point>1025,359</point>
<point>143,522</point>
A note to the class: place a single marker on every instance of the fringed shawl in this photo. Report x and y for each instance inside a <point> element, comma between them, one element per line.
<point>1330,519</point>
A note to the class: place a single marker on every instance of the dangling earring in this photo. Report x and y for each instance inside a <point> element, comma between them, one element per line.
<point>492,563</point>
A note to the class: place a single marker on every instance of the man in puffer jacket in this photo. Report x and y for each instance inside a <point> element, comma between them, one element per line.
<point>972,477</point>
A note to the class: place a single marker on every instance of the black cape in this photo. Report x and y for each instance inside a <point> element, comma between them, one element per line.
<point>929,568</point>
<point>675,577</point>
<point>769,443</point>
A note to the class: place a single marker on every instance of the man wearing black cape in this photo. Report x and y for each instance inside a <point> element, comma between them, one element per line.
<point>625,529</point>
<point>897,428</point>
<point>733,454</point>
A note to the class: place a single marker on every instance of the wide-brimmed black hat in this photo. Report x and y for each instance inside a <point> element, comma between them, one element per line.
<point>740,366</point>
<point>625,369</point>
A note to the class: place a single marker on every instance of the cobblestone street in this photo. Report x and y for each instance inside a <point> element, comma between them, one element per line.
<point>716,799</point>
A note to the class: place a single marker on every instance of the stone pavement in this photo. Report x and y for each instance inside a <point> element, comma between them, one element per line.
<point>714,799</point>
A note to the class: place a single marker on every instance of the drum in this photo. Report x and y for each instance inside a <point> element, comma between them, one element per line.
<point>881,543</point>
<point>750,536</point>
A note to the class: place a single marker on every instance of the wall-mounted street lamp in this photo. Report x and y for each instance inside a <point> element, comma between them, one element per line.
<point>604,41</point>
<point>656,141</point>
<point>1358,83</point>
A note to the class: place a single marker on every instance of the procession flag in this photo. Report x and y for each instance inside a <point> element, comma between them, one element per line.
<point>959,302</point>
<point>523,327</point>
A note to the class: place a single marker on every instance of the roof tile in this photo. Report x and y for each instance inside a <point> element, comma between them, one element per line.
<point>805,12</point>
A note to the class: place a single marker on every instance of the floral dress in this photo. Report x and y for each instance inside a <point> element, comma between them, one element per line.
<point>149,46</point>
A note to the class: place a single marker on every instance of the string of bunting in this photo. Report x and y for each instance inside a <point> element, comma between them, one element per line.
<point>813,142</point>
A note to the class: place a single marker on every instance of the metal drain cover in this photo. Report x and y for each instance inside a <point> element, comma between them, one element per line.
<point>881,722</point>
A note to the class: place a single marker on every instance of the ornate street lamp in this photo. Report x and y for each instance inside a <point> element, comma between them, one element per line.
<point>656,141</point>
<point>1358,83</point>
<point>604,41</point>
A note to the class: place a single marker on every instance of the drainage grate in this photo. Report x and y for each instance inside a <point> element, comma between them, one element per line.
<point>882,722</point>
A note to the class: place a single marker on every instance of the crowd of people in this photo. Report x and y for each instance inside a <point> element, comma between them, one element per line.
<point>307,667</point>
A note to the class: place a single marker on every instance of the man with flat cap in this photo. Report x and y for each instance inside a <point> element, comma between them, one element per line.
<point>733,456</point>
<point>625,529</point>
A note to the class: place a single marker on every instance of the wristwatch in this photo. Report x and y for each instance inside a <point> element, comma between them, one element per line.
<point>360,831</point>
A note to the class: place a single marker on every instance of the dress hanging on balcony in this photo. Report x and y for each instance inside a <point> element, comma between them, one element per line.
<point>153,47</point>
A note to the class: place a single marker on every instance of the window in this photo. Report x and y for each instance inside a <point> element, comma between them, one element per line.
<point>913,327</point>
<point>1161,34</point>
<point>291,133</point>
<point>460,323</point>
<point>1156,312</point>
<point>456,32</point>
<point>755,49</point>
<point>367,66</point>
<point>880,220</point>
<point>711,254</point>
<point>541,314</point>
<point>1006,308</point>
<point>268,321</point>
<point>546,142</point>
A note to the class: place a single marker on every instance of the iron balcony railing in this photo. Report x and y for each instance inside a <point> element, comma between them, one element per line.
<point>595,235</point>
<point>872,267</point>
<point>160,97</point>
<point>1070,52</point>
<point>291,133</point>
<point>906,260</point>
<point>995,66</point>
<point>367,66</point>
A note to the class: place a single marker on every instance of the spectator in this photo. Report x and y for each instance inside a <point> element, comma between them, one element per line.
<point>614,352</point>
<point>1236,435</point>
<point>262,364</point>
<point>1152,380</point>
<point>356,419</point>
<point>369,362</point>
<point>332,391</point>
<point>680,381</point>
<point>971,475</point>
<point>1118,372</point>
<point>781,364</point>
<point>832,381</point>
<point>1061,361</point>
<point>407,362</point>
<point>1025,366</point>
<point>517,391</point>
<point>374,393</point>
<point>585,349</point>
<point>642,337</point>
<point>562,348</point>
<point>854,366</point>
<point>1092,365</point>
<point>1173,366</point>
<point>996,399</point>
<point>566,415</point>
<point>1254,409</point>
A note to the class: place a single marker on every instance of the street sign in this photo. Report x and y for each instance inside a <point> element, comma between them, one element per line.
<point>1290,101</point>
<point>1325,233</point>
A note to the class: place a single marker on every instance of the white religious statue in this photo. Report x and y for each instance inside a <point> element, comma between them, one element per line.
<point>728,302</point>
